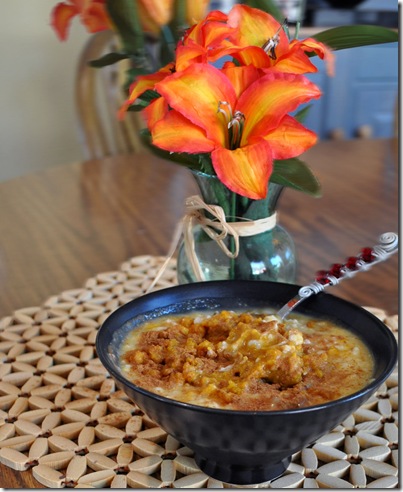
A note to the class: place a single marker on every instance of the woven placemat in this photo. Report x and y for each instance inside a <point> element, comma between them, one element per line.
<point>62,417</point>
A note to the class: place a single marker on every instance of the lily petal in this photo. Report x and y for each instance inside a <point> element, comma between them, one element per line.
<point>253,55</point>
<point>196,10</point>
<point>148,23</point>
<point>188,54</point>
<point>208,40</point>
<point>155,111</point>
<point>176,133</point>
<point>295,61</point>
<point>245,170</point>
<point>196,93</point>
<point>144,83</point>
<point>311,45</point>
<point>241,77</point>
<point>160,11</point>
<point>95,17</point>
<point>270,98</point>
<point>61,18</point>
<point>290,139</point>
<point>255,27</point>
<point>214,32</point>
<point>214,19</point>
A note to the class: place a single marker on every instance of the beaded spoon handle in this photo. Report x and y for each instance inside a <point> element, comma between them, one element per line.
<point>338,272</point>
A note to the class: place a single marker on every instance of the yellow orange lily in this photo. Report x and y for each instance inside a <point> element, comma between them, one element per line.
<point>204,41</point>
<point>154,14</point>
<point>157,13</point>
<point>261,40</point>
<point>239,115</point>
<point>91,12</point>
<point>144,83</point>
<point>201,44</point>
<point>196,10</point>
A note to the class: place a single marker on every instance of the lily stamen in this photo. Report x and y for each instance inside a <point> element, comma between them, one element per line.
<point>234,122</point>
<point>271,44</point>
<point>225,109</point>
<point>237,120</point>
<point>235,126</point>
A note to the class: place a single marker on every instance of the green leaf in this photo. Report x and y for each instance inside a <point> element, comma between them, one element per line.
<point>252,209</point>
<point>191,161</point>
<point>295,174</point>
<point>268,6</point>
<point>302,113</point>
<point>206,166</point>
<point>144,100</point>
<point>131,74</point>
<point>126,19</point>
<point>149,96</point>
<point>339,38</point>
<point>108,59</point>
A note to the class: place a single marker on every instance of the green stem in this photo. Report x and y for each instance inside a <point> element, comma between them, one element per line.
<point>124,15</point>
<point>297,28</point>
<point>168,44</point>
<point>232,218</point>
<point>178,24</point>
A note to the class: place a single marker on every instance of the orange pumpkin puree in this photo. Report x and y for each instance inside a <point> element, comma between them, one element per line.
<point>246,361</point>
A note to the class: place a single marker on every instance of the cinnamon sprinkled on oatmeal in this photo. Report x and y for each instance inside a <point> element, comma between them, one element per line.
<point>246,361</point>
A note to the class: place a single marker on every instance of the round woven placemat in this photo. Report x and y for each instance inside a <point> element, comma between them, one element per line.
<point>62,417</point>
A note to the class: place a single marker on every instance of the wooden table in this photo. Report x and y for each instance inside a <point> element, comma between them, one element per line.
<point>64,225</point>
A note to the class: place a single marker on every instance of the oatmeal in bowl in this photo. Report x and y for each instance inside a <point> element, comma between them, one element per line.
<point>188,356</point>
<point>246,361</point>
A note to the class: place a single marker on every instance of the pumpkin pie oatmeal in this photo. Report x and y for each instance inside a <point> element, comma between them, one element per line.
<point>246,361</point>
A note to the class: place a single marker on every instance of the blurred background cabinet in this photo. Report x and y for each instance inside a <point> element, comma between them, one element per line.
<point>361,99</point>
<point>343,12</point>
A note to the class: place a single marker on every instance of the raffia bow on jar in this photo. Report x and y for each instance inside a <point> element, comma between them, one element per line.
<point>212,221</point>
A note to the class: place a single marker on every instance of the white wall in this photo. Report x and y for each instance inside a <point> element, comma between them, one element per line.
<point>37,113</point>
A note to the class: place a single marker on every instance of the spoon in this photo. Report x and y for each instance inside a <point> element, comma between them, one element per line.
<point>364,261</point>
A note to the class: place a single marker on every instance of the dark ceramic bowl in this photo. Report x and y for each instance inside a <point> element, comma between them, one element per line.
<point>243,447</point>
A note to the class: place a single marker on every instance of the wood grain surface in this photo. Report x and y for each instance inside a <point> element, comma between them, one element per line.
<point>61,226</point>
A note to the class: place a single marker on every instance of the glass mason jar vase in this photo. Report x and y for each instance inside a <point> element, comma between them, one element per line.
<point>269,255</point>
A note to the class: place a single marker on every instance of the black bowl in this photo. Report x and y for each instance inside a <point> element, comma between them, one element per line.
<point>243,447</point>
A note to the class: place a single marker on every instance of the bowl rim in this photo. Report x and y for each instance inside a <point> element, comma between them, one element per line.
<point>368,389</point>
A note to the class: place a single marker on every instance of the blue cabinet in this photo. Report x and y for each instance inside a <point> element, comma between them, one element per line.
<point>362,94</point>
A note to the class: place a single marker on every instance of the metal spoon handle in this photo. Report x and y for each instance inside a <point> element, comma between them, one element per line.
<point>368,257</point>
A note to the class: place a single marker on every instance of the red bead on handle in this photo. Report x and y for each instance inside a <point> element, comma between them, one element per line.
<point>337,270</point>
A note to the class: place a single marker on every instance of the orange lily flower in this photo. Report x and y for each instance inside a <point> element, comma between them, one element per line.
<point>157,13</point>
<point>144,83</point>
<point>205,41</point>
<point>154,14</point>
<point>239,114</point>
<point>196,10</point>
<point>261,41</point>
<point>198,46</point>
<point>91,12</point>
<point>159,10</point>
